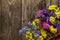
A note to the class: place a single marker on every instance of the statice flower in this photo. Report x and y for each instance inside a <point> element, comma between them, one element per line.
<point>23,30</point>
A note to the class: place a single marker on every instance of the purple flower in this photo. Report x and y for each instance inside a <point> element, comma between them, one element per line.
<point>51,13</point>
<point>57,24</point>
<point>36,34</point>
<point>31,26</point>
<point>45,11</point>
<point>23,30</point>
<point>58,29</point>
<point>48,21</point>
<point>43,18</point>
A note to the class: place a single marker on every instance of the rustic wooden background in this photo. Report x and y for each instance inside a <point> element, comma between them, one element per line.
<point>14,14</point>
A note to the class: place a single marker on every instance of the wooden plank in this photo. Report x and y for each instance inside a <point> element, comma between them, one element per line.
<point>0,20</point>
<point>11,19</point>
<point>54,2</point>
<point>16,19</point>
<point>23,12</point>
<point>5,20</point>
<point>59,3</point>
<point>47,3</point>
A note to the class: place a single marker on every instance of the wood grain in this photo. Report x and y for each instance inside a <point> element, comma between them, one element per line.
<point>0,20</point>
<point>15,14</point>
<point>11,20</point>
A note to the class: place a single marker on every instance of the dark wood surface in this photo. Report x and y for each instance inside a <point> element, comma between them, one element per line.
<point>11,19</point>
<point>14,14</point>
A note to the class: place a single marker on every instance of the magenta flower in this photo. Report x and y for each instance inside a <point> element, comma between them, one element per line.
<point>45,25</point>
<point>39,13</point>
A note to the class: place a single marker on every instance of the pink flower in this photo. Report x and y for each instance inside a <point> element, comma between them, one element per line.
<point>39,13</point>
<point>45,25</point>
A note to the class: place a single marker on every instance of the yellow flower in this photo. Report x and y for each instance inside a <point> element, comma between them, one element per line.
<point>52,19</point>
<point>53,7</point>
<point>53,30</point>
<point>57,9</point>
<point>40,38</point>
<point>58,14</point>
<point>43,33</point>
<point>35,22</point>
<point>29,35</point>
